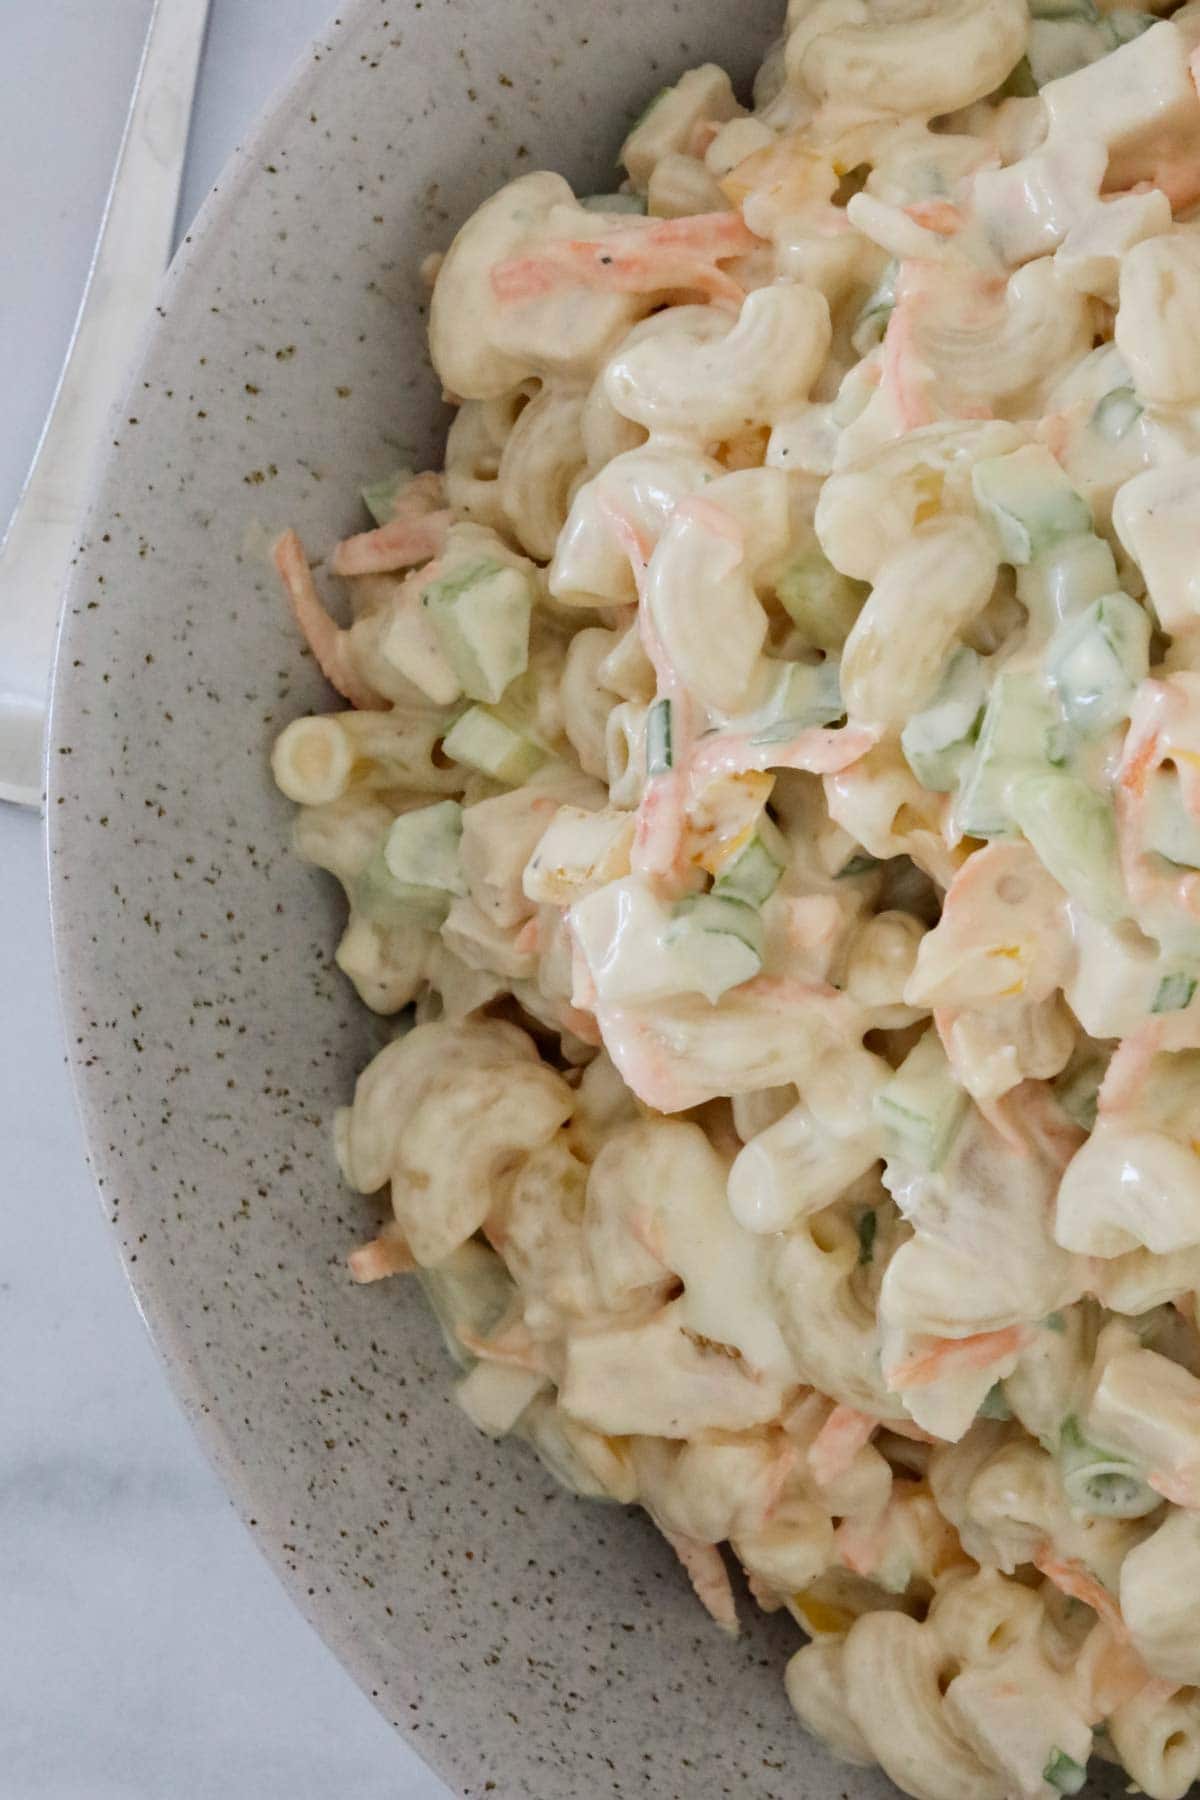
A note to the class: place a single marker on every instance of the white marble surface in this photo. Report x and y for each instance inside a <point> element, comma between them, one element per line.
<point>146,1651</point>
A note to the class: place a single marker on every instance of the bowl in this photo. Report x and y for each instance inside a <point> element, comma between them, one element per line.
<point>528,1643</point>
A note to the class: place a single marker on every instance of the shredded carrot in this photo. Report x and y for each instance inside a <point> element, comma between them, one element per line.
<point>957,1356</point>
<point>1071,1578</point>
<point>648,257</point>
<point>838,1442</point>
<point>400,544</point>
<point>328,643</point>
<point>709,1577</point>
<point>936,215</point>
<point>388,1254</point>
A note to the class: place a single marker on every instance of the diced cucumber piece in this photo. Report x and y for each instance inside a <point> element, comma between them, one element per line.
<point>414,872</point>
<point>1064,1773</point>
<point>659,752</point>
<point>994,1404</point>
<point>937,741</point>
<point>1077,1089</point>
<point>496,746</point>
<point>1030,502</point>
<point>821,602</point>
<point>1074,832</point>
<point>380,497</point>
<point>1174,992</point>
<point>872,321</point>
<point>922,1106</point>
<point>1115,412</point>
<point>1012,743</point>
<point>481,615</point>
<point>720,938</point>
<point>1169,828</point>
<point>1067,579</point>
<point>1101,1482</point>
<point>801,695</point>
<point>614,203</point>
<point>1097,660</point>
<point>752,874</point>
<point>868,1230</point>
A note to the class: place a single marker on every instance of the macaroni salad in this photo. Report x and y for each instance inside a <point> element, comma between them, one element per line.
<point>772,769</point>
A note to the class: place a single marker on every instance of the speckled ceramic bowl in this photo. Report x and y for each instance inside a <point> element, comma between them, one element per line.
<point>530,1644</point>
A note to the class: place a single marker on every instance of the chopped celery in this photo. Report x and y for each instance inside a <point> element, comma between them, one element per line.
<point>659,755</point>
<point>1169,828</point>
<point>1115,412</point>
<point>1073,830</point>
<point>801,695</point>
<point>1066,579</point>
<point>752,874</point>
<point>724,938</point>
<point>820,601</point>
<point>614,203</point>
<point>994,1404</point>
<point>1174,992</point>
<point>485,740</point>
<point>1012,742</point>
<point>1030,502</point>
<point>1098,659</point>
<point>380,498</point>
<point>937,740</point>
<point>1077,1089</point>
<point>481,615</point>
<point>868,1230</point>
<point>872,321</point>
<point>414,872</point>
<point>922,1106</point>
<point>1101,1482</point>
<point>1064,1773</point>
<point>1064,9</point>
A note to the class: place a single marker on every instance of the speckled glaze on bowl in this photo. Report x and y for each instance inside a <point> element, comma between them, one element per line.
<point>530,1645</point>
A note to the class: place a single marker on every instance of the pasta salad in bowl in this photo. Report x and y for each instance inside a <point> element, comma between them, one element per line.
<point>770,768</point>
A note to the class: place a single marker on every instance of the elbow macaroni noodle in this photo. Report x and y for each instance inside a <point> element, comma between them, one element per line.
<point>772,771</point>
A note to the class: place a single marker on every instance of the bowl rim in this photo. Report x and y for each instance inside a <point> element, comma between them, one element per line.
<point>168,1338</point>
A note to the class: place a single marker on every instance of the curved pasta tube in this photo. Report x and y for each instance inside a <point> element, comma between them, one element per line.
<point>701,598</point>
<point>474,446</point>
<point>880,803</point>
<point>869,509</point>
<point>643,487</point>
<point>656,1200</point>
<point>1015,343</point>
<point>709,1489</point>
<point>985,1617</point>
<point>1003,927</point>
<point>700,96</point>
<point>1160,1600</point>
<point>915,58</point>
<point>586,701</point>
<point>816,1686</point>
<point>1157,1738</point>
<point>537,1225</point>
<point>798,1166</point>
<point>1148,1407</point>
<point>880,959</point>
<point>893,1667</point>
<point>481,348</point>
<point>440,1113</point>
<point>925,594</point>
<point>831,1332</point>
<point>607,432</point>
<point>1127,1189</point>
<point>542,460</point>
<point>318,760</point>
<point>389,966</point>
<point>708,386</point>
<point>1158,318</point>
